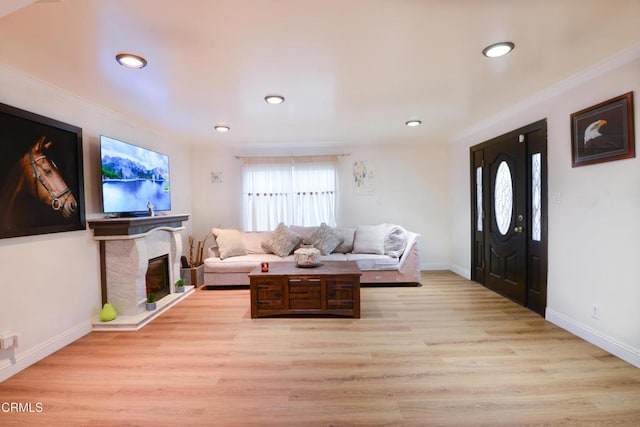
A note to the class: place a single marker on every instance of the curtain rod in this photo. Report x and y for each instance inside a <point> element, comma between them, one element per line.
<point>292,157</point>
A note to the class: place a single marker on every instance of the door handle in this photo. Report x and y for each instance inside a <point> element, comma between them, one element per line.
<point>518,229</point>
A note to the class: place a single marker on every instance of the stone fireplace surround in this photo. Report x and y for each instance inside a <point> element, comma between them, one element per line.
<point>126,246</point>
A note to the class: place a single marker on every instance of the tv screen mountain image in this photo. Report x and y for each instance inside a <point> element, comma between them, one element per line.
<point>133,177</point>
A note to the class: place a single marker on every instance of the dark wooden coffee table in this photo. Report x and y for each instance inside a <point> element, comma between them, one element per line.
<point>333,288</point>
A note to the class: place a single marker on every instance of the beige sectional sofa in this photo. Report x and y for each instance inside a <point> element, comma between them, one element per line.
<point>386,253</point>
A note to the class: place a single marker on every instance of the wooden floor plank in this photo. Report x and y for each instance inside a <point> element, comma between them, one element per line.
<point>448,353</point>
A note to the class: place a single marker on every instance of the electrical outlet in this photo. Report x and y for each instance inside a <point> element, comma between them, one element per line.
<point>8,340</point>
<point>595,312</point>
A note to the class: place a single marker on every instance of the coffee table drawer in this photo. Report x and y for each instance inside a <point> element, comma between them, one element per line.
<point>339,294</point>
<point>270,294</point>
<point>305,293</point>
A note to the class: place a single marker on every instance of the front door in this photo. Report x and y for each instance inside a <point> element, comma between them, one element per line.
<point>509,215</point>
<point>506,245</point>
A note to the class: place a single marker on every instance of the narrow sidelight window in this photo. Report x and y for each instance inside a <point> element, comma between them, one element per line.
<point>479,196</point>
<point>536,196</point>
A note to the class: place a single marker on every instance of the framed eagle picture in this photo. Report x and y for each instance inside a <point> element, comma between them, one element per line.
<point>603,132</point>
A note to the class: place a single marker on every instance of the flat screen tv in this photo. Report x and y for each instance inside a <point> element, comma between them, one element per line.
<point>133,178</point>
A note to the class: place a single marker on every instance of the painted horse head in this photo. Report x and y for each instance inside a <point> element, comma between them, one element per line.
<point>49,186</point>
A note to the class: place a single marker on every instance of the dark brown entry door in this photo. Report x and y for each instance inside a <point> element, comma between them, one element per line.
<point>506,245</point>
<point>509,235</point>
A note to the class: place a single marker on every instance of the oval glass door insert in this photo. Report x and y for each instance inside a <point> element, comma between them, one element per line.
<point>503,197</point>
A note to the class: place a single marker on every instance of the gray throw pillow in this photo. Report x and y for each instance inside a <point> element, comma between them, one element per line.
<point>325,239</point>
<point>347,235</point>
<point>282,241</point>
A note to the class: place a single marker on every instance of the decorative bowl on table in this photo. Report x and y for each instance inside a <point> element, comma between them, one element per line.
<point>307,256</point>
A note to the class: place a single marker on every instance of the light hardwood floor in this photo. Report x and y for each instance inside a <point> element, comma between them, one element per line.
<point>448,353</point>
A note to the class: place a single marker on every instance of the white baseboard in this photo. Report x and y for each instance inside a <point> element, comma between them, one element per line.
<point>464,272</point>
<point>597,338</point>
<point>434,266</point>
<point>456,269</point>
<point>17,361</point>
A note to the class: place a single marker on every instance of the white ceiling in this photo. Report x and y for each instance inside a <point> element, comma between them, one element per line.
<point>352,71</point>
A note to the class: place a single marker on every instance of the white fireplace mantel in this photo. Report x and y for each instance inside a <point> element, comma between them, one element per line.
<point>130,228</point>
<point>126,246</point>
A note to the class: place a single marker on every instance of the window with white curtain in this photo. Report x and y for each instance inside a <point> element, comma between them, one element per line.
<point>292,190</point>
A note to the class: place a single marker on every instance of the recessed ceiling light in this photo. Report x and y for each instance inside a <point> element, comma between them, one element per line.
<point>498,49</point>
<point>130,60</point>
<point>274,99</point>
<point>222,128</point>
<point>413,123</point>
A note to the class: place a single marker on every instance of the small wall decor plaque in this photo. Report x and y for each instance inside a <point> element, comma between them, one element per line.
<point>216,177</point>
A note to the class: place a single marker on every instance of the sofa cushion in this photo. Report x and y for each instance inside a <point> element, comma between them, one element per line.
<point>253,241</point>
<point>282,241</point>
<point>374,262</point>
<point>229,242</point>
<point>304,231</point>
<point>333,257</point>
<point>325,239</point>
<point>240,264</point>
<point>395,241</point>
<point>369,239</point>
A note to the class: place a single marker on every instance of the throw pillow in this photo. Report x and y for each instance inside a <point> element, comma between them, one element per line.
<point>229,242</point>
<point>395,240</point>
<point>304,232</point>
<point>252,241</point>
<point>370,239</point>
<point>347,235</point>
<point>282,241</point>
<point>325,239</point>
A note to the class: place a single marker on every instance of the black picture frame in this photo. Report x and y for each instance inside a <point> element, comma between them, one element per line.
<point>603,132</point>
<point>40,157</point>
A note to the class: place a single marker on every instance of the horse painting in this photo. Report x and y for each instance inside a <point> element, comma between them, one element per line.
<point>35,193</point>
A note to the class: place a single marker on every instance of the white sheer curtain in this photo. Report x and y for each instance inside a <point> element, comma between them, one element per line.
<point>293,190</point>
<point>267,185</point>
<point>314,184</point>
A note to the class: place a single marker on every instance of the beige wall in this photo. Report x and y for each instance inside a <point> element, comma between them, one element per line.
<point>593,211</point>
<point>50,284</point>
